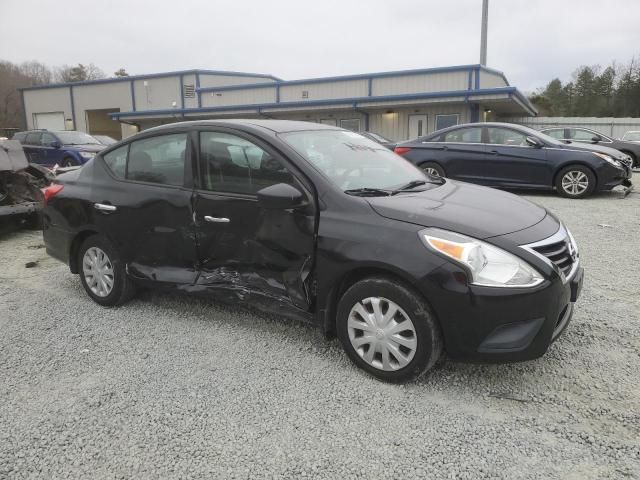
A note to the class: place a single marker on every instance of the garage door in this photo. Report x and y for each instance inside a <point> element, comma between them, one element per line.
<point>49,120</point>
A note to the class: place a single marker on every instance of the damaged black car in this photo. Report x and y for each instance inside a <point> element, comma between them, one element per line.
<point>21,185</point>
<point>321,224</point>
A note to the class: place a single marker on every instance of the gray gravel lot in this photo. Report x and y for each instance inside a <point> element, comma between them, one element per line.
<point>172,386</point>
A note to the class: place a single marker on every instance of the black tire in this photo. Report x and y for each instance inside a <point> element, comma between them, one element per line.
<point>430,167</point>
<point>429,343</point>
<point>68,162</point>
<point>123,288</point>
<point>577,171</point>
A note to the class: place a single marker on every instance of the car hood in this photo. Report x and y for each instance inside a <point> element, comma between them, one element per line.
<point>479,212</point>
<point>593,147</point>
<point>90,147</point>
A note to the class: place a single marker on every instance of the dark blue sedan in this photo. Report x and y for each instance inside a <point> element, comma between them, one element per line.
<point>63,148</point>
<point>512,156</point>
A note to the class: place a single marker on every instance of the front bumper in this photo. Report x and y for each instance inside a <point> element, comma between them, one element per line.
<point>484,324</point>
<point>610,177</point>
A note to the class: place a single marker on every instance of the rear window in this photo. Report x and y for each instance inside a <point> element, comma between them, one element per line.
<point>20,137</point>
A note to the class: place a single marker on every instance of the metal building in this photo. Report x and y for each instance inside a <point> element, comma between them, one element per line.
<point>398,105</point>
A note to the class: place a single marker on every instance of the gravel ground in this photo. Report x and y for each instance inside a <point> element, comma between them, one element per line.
<point>176,387</point>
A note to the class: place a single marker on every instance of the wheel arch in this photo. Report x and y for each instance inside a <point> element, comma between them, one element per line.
<point>351,277</point>
<point>75,246</point>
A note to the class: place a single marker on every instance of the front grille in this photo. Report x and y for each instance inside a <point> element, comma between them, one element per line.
<point>559,250</point>
<point>559,253</point>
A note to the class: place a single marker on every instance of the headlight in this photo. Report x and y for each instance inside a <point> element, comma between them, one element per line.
<point>488,265</point>
<point>607,159</point>
<point>87,155</point>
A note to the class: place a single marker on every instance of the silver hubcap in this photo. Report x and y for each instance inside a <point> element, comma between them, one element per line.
<point>575,182</point>
<point>432,171</point>
<point>98,271</point>
<point>382,333</point>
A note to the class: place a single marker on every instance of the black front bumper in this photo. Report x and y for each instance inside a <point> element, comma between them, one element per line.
<point>484,324</point>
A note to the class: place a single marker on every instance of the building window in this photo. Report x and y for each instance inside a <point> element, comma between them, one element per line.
<point>305,93</point>
<point>445,121</point>
<point>189,91</point>
<point>352,124</point>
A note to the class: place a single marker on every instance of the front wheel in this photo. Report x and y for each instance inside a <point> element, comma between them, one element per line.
<point>102,274</point>
<point>387,329</point>
<point>575,181</point>
<point>68,162</point>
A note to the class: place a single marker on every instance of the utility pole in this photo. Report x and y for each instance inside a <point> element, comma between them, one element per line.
<point>483,35</point>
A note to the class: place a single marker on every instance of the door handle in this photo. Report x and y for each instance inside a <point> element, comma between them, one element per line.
<point>216,219</point>
<point>494,152</point>
<point>103,207</point>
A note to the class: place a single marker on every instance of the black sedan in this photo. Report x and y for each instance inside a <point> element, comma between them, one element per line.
<point>512,156</point>
<point>320,224</point>
<point>586,135</point>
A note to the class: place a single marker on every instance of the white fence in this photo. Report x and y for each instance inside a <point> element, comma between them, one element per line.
<point>612,127</point>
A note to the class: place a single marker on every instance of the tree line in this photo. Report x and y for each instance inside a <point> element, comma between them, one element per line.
<point>593,92</point>
<point>14,76</point>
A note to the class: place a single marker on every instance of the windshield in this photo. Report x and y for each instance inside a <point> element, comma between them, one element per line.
<point>76,138</point>
<point>352,161</point>
<point>632,136</point>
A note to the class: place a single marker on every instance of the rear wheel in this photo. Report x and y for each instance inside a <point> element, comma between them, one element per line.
<point>387,329</point>
<point>102,274</point>
<point>433,169</point>
<point>575,181</point>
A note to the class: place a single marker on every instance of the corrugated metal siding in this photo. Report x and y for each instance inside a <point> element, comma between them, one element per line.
<point>491,80</point>
<point>324,91</point>
<point>239,97</point>
<point>209,80</point>
<point>396,125</point>
<point>159,93</point>
<point>93,97</point>
<point>432,82</point>
<point>612,127</point>
<point>46,100</point>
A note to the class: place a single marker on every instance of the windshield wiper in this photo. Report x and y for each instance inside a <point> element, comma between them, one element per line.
<point>367,191</point>
<point>413,184</point>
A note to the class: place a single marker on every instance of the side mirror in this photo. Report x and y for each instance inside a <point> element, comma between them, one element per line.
<point>534,142</point>
<point>55,144</point>
<point>281,196</point>
<point>596,139</point>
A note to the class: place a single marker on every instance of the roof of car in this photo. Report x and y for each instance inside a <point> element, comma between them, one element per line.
<point>278,126</point>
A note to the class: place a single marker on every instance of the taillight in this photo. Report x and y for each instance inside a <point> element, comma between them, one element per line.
<point>51,191</point>
<point>401,150</point>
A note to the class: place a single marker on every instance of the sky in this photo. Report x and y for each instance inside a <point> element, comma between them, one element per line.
<point>531,41</point>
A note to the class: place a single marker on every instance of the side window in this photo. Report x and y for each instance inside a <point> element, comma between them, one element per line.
<point>506,136</point>
<point>463,135</point>
<point>235,165</point>
<point>48,139</point>
<point>33,138</point>
<point>117,161</point>
<point>581,135</point>
<point>158,159</point>
<point>556,133</point>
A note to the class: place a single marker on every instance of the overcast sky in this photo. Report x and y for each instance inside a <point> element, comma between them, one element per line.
<point>531,41</point>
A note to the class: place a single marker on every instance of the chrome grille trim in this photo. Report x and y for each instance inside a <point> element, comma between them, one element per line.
<point>560,242</point>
